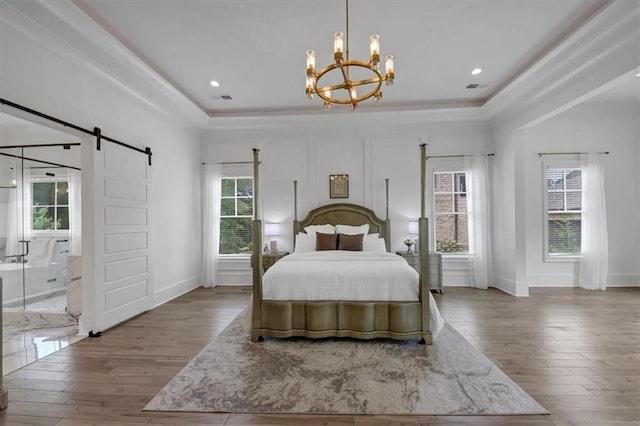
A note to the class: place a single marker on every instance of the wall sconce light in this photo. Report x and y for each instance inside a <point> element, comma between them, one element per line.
<point>272,230</point>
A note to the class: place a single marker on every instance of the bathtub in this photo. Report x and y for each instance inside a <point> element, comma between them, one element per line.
<point>42,278</point>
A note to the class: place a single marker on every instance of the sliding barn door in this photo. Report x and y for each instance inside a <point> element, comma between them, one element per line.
<point>121,286</point>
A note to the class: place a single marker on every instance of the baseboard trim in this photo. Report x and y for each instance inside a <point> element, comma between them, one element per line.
<point>174,290</point>
<point>509,286</point>
<point>569,280</point>
<point>623,280</point>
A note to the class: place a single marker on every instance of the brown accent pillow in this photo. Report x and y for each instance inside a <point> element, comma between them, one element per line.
<point>326,241</point>
<point>350,242</point>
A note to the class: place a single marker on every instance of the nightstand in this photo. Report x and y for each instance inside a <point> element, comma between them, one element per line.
<point>268,259</point>
<point>435,267</point>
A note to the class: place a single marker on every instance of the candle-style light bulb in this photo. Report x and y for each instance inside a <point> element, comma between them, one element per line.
<point>374,49</point>
<point>311,61</point>
<point>309,86</point>
<point>338,47</point>
<point>388,65</point>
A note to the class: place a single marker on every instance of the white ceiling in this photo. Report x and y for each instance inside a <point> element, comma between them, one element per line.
<point>256,48</point>
<point>625,90</point>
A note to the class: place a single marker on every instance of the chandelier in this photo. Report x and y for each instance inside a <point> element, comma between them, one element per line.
<point>338,83</point>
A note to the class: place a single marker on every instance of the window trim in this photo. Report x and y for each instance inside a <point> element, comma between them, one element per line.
<point>55,231</point>
<point>566,164</point>
<point>236,176</point>
<point>445,166</point>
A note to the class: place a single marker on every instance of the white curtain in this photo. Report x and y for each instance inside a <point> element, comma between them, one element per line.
<point>75,213</point>
<point>594,258</point>
<point>479,207</point>
<point>212,179</point>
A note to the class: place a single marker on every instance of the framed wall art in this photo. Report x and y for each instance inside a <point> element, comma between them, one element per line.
<point>338,186</point>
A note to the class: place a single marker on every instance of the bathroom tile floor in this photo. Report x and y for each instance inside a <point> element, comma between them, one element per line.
<point>32,335</point>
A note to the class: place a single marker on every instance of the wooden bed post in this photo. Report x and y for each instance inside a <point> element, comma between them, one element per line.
<point>257,250</point>
<point>296,224</point>
<point>387,222</point>
<point>423,247</point>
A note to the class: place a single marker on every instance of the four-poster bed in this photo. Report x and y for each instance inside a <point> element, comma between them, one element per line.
<point>381,314</point>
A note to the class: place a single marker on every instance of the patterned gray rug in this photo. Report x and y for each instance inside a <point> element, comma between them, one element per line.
<point>343,376</point>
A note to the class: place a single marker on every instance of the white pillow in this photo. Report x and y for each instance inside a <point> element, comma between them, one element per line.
<point>374,244</point>
<point>323,229</point>
<point>305,243</point>
<point>352,230</point>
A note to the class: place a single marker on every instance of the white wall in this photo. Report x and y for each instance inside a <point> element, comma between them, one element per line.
<point>590,128</point>
<point>589,61</point>
<point>509,211</point>
<point>368,157</point>
<point>54,80</point>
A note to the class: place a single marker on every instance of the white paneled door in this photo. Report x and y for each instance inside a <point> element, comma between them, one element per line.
<point>122,286</point>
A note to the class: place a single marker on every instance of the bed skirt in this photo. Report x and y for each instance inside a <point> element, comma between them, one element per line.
<point>361,320</point>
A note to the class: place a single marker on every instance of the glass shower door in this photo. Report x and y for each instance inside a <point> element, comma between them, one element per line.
<point>37,175</point>
<point>13,244</point>
<point>48,225</point>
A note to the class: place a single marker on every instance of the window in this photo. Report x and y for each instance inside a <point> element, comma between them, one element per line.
<point>564,211</point>
<point>236,215</point>
<point>451,215</point>
<point>50,206</point>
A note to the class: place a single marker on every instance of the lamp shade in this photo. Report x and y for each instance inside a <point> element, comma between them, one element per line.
<point>413,227</point>
<point>271,229</point>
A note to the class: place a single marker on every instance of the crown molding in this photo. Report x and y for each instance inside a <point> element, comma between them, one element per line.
<point>369,122</point>
<point>602,50</point>
<point>66,30</point>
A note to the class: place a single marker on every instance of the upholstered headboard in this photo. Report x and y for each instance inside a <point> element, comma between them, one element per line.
<point>345,214</point>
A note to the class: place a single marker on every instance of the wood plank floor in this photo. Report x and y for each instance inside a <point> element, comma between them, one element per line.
<point>576,352</point>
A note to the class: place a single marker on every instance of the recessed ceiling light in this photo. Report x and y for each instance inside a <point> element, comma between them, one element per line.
<point>215,83</point>
<point>638,75</point>
<point>476,71</point>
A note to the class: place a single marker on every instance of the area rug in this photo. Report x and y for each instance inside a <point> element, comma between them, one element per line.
<point>342,376</point>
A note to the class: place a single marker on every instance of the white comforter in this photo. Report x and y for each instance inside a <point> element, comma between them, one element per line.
<point>346,275</point>
<point>341,275</point>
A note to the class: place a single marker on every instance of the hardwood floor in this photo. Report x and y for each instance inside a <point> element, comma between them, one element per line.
<point>576,352</point>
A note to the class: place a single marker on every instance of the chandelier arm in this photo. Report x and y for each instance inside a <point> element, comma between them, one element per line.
<point>369,94</point>
<point>345,76</point>
<point>332,87</point>
<point>347,64</point>
<point>350,100</point>
<point>348,84</point>
<point>374,80</point>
